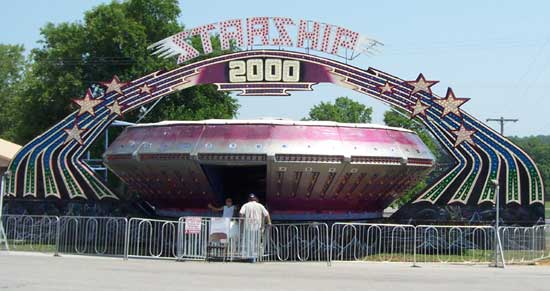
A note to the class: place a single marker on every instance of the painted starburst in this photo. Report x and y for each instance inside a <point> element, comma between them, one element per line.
<point>418,108</point>
<point>387,88</point>
<point>114,85</point>
<point>463,135</point>
<point>87,104</point>
<point>451,104</point>
<point>421,84</point>
<point>74,133</point>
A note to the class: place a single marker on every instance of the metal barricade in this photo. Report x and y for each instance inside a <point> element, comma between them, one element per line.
<point>151,238</point>
<point>372,242</point>
<point>296,242</point>
<point>92,235</point>
<point>456,244</point>
<point>201,238</point>
<point>34,233</point>
<point>193,239</point>
<point>525,244</point>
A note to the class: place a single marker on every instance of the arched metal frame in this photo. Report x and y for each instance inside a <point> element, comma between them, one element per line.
<point>54,158</point>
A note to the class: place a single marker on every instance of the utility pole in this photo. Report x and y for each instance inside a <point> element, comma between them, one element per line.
<point>502,120</point>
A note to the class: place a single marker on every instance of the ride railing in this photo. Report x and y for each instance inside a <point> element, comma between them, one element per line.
<point>204,238</point>
<point>298,242</point>
<point>525,244</point>
<point>102,236</point>
<point>207,238</point>
<point>32,233</point>
<point>454,244</point>
<point>372,242</point>
<point>151,238</point>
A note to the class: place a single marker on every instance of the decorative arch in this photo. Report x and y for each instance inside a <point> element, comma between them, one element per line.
<point>52,162</point>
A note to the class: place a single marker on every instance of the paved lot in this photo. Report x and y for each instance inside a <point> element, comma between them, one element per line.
<point>44,272</point>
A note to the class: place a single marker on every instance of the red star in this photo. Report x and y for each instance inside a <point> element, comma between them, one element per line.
<point>387,88</point>
<point>146,89</point>
<point>115,108</point>
<point>451,103</point>
<point>418,108</point>
<point>421,84</point>
<point>114,85</point>
<point>87,104</point>
<point>74,133</point>
<point>463,135</point>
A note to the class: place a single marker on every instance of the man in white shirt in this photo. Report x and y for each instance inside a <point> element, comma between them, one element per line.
<point>254,214</point>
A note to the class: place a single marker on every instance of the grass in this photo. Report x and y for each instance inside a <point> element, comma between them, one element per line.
<point>547,209</point>
<point>15,245</point>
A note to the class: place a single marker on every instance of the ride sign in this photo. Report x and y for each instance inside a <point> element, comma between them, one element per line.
<point>267,31</point>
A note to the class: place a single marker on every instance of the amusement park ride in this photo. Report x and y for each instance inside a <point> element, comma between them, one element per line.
<point>339,171</point>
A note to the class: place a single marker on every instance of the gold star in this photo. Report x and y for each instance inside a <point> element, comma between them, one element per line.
<point>115,108</point>
<point>387,88</point>
<point>114,86</point>
<point>87,104</point>
<point>74,134</point>
<point>145,89</point>
<point>421,84</point>
<point>418,108</point>
<point>451,103</point>
<point>463,135</point>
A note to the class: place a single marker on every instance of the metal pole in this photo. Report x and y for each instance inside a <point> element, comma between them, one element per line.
<point>3,237</point>
<point>498,243</point>
<point>497,217</point>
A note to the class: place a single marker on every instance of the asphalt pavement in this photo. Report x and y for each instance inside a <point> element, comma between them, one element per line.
<point>26,271</point>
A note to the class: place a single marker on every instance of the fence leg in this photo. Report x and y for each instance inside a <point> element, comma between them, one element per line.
<point>414,265</point>
<point>127,240</point>
<point>57,235</point>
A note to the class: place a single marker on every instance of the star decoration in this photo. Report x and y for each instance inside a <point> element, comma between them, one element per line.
<point>387,88</point>
<point>115,108</point>
<point>114,85</point>
<point>74,133</point>
<point>451,103</point>
<point>87,104</point>
<point>418,108</point>
<point>421,84</point>
<point>463,135</point>
<point>145,89</point>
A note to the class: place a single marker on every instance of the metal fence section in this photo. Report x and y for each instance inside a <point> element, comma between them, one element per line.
<point>372,242</point>
<point>525,244</point>
<point>34,233</point>
<point>203,238</point>
<point>455,244</point>
<point>151,238</point>
<point>296,242</point>
<point>92,235</point>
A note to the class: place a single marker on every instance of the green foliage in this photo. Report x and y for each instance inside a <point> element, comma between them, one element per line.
<point>12,64</point>
<point>344,109</point>
<point>111,40</point>
<point>538,147</point>
<point>397,118</point>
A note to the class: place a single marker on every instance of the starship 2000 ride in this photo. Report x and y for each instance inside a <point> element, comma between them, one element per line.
<point>301,170</point>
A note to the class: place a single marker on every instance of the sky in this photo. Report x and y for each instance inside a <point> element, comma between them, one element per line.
<point>495,52</point>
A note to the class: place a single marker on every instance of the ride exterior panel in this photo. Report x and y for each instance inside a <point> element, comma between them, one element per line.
<point>302,170</point>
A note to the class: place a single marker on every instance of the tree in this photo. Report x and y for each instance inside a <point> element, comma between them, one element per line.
<point>344,109</point>
<point>111,40</point>
<point>538,148</point>
<point>398,118</point>
<point>12,65</point>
